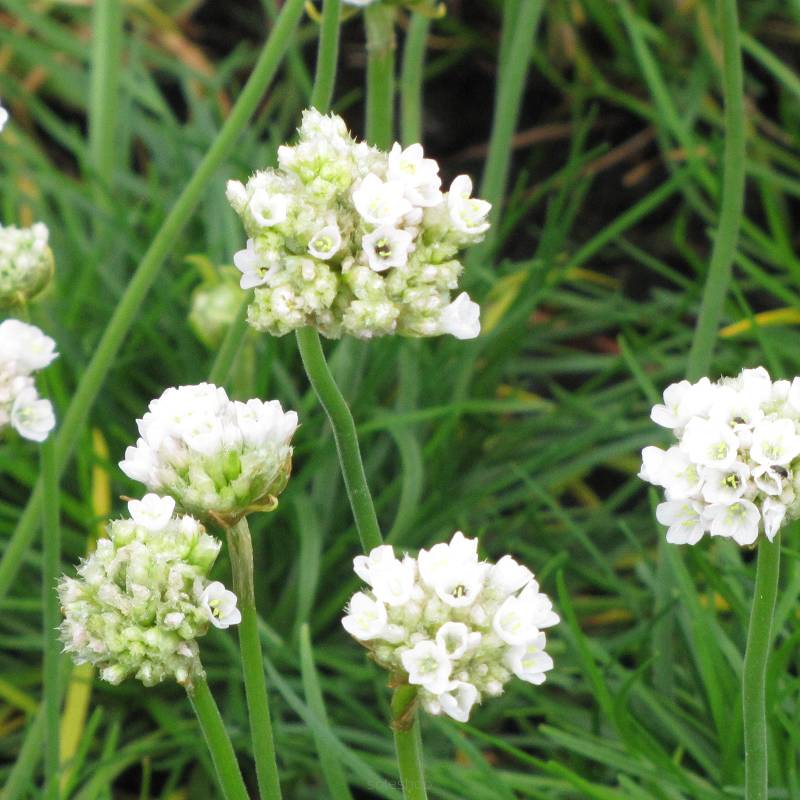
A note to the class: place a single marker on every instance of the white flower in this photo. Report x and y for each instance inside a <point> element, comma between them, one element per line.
<point>683,519</point>
<point>775,442</point>
<point>380,202</point>
<point>449,623</point>
<point>458,700</point>
<point>351,240</point>
<point>26,346</point>
<point>770,480</point>
<point>461,318</point>
<point>152,512</point>
<point>773,513</point>
<point>468,214</point>
<point>366,618</point>
<point>212,454</point>
<point>268,209</point>
<point>455,639</point>
<point>710,444</point>
<point>32,417</point>
<point>738,521</point>
<point>387,247</point>
<point>682,401</point>
<point>678,475</point>
<point>529,662</point>
<point>255,270</point>
<point>420,175</point>
<point>508,576</point>
<point>220,605</point>
<point>725,486</point>
<point>428,665</point>
<point>326,242</point>
<point>519,619</point>
<point>4,113</point>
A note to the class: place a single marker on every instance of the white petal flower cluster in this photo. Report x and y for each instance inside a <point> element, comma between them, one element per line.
<point>142,598</point>
<point>24,350</point>
<point>735,471</point>
<point>455,626</point>
<point>210,453</point>
<point>26,263</point>
<point>353,240</point>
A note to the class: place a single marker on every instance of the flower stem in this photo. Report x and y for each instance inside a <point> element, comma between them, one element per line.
<point>411,79</point>
<point>754,676</point>
<point>130,304</point>
<point>344,432</point>
<point>219,745</point>
<point>240,547</point>
<point>381,47</point>
<point>408,743</point>
<point>51,562</point>
<point>327,56</point>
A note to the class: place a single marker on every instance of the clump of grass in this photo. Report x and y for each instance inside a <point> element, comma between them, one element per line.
<point>605,152</point>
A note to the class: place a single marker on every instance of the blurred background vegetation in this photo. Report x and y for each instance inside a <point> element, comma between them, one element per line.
<point>528,437</point>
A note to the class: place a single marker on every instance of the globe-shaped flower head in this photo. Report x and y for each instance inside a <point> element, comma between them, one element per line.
<point>142,598</point>
<point>353,240</point>
<point>213,455</point>
<point>456,627</point>
<point>735,468</point>
<point>26,263</point>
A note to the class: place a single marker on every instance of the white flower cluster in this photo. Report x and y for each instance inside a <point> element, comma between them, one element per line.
<point>24,349</point>
<point>142,598</point>
<point>210,453</point>
<point>736,468</point>
<point>457,627</point>
<point>352,240</point>
<point>26,263</point>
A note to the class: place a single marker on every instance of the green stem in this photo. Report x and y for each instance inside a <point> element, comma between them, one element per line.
<point>327,56</point>
<point>381,47</point>
<point>107,23</point>
<point>219,745</point>
<point>344,433</point>
<point>131,302</point>
<point>51,562</point>
<point>754,675</point>
<point>733,182</point>
<point>408,743</point>
<point>519,34</point>
<point>240,547</point>
<point>411,79</point>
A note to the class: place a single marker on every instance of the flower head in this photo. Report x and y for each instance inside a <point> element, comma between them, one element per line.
<point>26,263</point>
<point>24,350</point>
<point>353,240</point>
<point>214,309</point>
<point>142,599</point>
<point>735,468</point>
<point>454,626</point>
<point>210,453</point>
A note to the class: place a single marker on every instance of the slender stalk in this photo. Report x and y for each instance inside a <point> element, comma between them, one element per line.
<point>519,34</point>
<point>344,433</point>
<point>381,47</point>
<point>107,22</point>
<point>131,301</point>
<point>411,79</point>
<point>240,547</point>
<point>754,675</point>
<point>219,745</point>
<point>327,56</point>
<point>732,197</point>
<point>51,561</point>
<point>408,743</point>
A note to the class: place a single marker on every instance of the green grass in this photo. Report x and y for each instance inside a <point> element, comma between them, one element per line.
<point>605,249</point>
